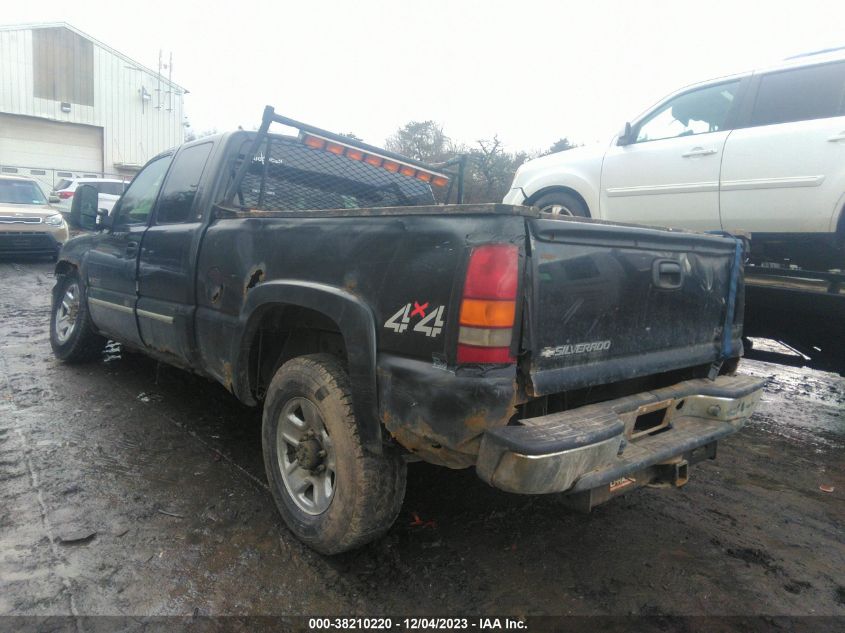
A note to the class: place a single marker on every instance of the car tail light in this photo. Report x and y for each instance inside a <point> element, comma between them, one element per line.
<point>488,306</point>
<point>64,195</point>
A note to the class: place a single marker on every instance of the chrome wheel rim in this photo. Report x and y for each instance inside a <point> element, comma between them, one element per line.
<point>556,209</point>
<point>67,312</point>
<point>306,456</point>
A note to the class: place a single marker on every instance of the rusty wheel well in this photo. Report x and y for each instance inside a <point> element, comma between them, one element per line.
<point>63,268</point>
<point>283,332</point>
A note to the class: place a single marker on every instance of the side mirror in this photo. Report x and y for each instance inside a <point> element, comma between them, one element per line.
<point>627,136</point>
<point>53,199</point>
<point>104,219</point>
<point>83,208</point>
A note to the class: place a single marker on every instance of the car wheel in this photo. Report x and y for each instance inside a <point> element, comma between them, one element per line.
<point>72,334</point>
<point>561,203</point>
<point>332,493</point>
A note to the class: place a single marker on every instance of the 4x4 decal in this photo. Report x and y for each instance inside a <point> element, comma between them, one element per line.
<point>430,324</point>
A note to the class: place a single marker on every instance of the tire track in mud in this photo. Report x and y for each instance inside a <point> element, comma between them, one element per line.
<point>24,452</point>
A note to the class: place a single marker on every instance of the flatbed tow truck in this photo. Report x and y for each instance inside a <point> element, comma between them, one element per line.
<point>802,309</point>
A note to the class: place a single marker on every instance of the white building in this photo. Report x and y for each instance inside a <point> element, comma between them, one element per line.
<point>71,105</point>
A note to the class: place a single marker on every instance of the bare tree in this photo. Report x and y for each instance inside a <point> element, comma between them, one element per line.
<point>421,140</point>
<point>560,145</point>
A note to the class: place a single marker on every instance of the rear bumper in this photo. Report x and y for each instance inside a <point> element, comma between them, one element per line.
<point>618,444</point>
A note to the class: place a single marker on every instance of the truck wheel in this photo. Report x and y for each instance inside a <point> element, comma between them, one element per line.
<point>561,203</point>
<point>72,334</point>
<point>332,493</point>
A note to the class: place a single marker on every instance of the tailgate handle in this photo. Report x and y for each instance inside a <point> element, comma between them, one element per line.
<point>667,274</point>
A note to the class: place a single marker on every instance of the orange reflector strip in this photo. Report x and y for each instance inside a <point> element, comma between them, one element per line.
<point>481,313</point>
<point>316,143</point>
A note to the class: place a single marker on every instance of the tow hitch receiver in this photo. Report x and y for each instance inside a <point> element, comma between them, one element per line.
<point>674,473</point>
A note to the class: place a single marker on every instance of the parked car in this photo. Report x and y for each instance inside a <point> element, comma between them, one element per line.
<point>315,275</point>
<point>760,152</point>
<point>29,224</point>
<point>109,189</point>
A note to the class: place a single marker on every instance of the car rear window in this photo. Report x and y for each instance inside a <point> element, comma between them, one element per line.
<point>815,92</point>
<point>113,188</point>
<point>64,183</point>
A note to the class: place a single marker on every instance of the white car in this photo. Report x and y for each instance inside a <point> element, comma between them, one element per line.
<point>761,152</point>
<point>109,189</point>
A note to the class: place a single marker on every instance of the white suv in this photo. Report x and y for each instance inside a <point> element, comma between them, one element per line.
<point>109,189</point>
<point>760,152</point>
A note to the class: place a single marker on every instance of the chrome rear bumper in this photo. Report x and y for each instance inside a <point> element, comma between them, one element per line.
<point>606,444</point>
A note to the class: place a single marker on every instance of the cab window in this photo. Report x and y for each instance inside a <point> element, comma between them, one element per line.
<point>695,112</point>
<point>138,200</point>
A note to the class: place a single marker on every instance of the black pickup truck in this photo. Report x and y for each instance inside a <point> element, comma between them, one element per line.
<point>315,274</point>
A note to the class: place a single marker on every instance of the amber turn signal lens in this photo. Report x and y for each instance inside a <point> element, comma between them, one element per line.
<point>314,142</point>
<point>481,313</point>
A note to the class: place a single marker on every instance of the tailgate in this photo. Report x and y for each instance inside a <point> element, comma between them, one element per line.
<point>609,302</point>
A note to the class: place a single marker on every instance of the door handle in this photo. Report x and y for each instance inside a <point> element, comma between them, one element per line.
<point>837,137</point>
<point>698,151</point>
<point>667,274</point>
<point>131,248</point>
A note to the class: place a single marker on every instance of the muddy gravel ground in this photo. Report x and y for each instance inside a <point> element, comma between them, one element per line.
<point>128,487</point>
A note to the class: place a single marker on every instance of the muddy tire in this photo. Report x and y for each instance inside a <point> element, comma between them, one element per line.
<point>332,493</point>
<point>561,203</point>
<point>72,334</point>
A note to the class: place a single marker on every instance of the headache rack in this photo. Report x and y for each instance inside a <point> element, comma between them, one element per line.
<point>318,169</point>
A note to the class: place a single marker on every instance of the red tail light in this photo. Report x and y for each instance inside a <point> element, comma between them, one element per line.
<point>64,195</point>
<point>488,308</point>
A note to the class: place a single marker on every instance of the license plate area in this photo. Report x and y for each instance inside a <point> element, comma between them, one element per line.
<point>649,419</point>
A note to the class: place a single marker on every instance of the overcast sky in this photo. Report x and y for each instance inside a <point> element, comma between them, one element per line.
<point>531,71</point>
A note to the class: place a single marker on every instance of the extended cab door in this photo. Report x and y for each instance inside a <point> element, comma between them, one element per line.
<point>111,265</point>
<point>785,171</point>
<point>668,173</point>
<point>168,253</point>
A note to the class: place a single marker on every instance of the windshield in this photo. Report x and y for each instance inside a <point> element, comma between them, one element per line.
<point>21,192</point>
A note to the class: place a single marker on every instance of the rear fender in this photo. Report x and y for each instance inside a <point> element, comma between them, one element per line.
<point>355,321</point>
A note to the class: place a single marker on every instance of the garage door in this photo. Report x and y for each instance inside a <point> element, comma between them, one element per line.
<point>33,142</point>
